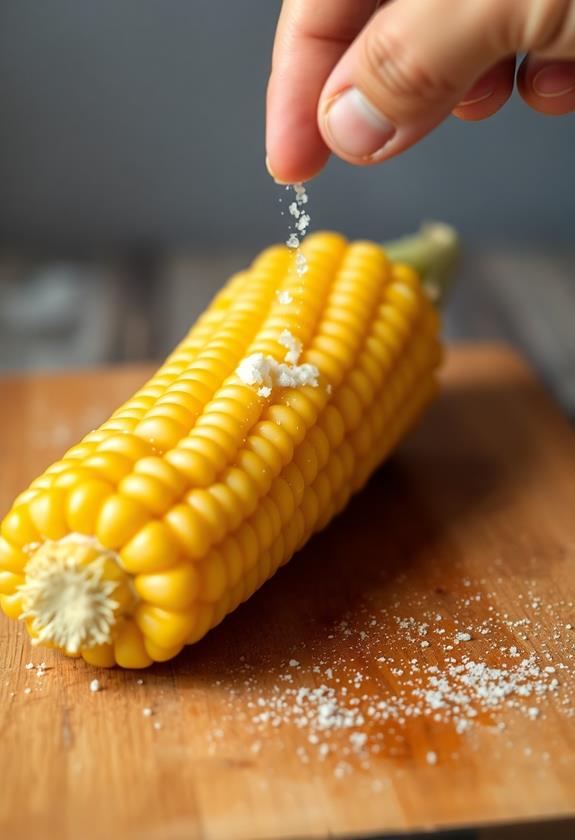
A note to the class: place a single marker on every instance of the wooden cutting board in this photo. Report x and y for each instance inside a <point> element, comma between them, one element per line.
<point>411,668</point>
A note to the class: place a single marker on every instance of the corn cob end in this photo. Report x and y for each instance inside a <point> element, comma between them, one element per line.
<point>74,593</point>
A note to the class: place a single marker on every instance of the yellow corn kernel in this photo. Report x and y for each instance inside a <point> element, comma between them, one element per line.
<point>118,521</point>
<point>190,529</point>
<point>211,512</point>
<point>129,446</point>
<point>147,491</point>
<point>84,503</point>
<point>11,558</point>
<point>163,471</point>
<point>197,468</point>
<point>153,549</point>
<point>165,628</point>
<point>203,617</point>
<point>176,588</point>
<point>161,654</point>
<point>129,648</point>
<point>18,528</point>
<point>102,656</point>
<point>212,578</point>
<point>12,604</point>
<point>110,466</point>
<point>9,581</point>
<point>47,512</point>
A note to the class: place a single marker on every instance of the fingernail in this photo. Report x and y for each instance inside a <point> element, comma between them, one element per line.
<point>355,126</point>
<point>475,95</point>
<point>274,176</point>
<point>554,80</point>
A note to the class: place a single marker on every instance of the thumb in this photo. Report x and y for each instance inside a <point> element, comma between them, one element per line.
<point>408,69</point>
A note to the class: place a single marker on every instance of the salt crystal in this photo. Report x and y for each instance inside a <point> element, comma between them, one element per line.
<point>431,757</point>
<point>266,373</point>
<point>95,685</point>
<point>358,740</point>
<point>284,297</point>
<point>147,712</point>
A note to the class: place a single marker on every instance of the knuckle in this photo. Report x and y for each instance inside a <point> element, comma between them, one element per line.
<point>545,25</point>
<point>393,66</point>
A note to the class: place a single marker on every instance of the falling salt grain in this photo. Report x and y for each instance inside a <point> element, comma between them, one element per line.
<point>301,224</point>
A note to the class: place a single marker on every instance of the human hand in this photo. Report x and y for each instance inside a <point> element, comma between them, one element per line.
<point>367,83</point>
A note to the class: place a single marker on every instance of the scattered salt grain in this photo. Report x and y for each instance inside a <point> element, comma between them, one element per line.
<point>284,297</point>
<point>147,712</point>
<point>293,663</point>
<point>462,637</point>
<point>266,373</point>
<point>533,712</point>
<point>431,757</point>
<point>27,690</point>
<point>95,685</point>
<point>358,740</point>
<point>29,666</point>
<point>293,346</point>
<point>140,681</point>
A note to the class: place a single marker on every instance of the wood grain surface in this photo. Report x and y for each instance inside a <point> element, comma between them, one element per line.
<point>467,532</point>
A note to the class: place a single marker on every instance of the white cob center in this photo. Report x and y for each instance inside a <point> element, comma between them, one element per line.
<point>70,602</point>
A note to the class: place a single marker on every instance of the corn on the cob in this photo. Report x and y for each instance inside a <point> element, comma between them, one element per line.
<point>159,523</point>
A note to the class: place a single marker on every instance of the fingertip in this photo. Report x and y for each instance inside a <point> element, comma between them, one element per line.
<point>292,167</point>
<point>295,150</point>
<point>547,86</point>
<point>488,94</point>
<point>483,108</point>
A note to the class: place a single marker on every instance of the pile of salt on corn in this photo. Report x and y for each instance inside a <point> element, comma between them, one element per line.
<point>281,401</point>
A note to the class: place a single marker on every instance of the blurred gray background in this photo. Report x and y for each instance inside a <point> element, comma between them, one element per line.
<point>132,180</point>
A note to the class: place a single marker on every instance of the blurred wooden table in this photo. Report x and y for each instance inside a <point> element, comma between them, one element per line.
<point>470,525</point>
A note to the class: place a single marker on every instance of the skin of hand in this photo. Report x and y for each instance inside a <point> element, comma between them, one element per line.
<point>367,80</point>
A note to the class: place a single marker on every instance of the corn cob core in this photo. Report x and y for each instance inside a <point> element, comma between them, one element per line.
<point>159,523</point>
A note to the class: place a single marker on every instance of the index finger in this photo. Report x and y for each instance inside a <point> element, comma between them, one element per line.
<point>311,37</point>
